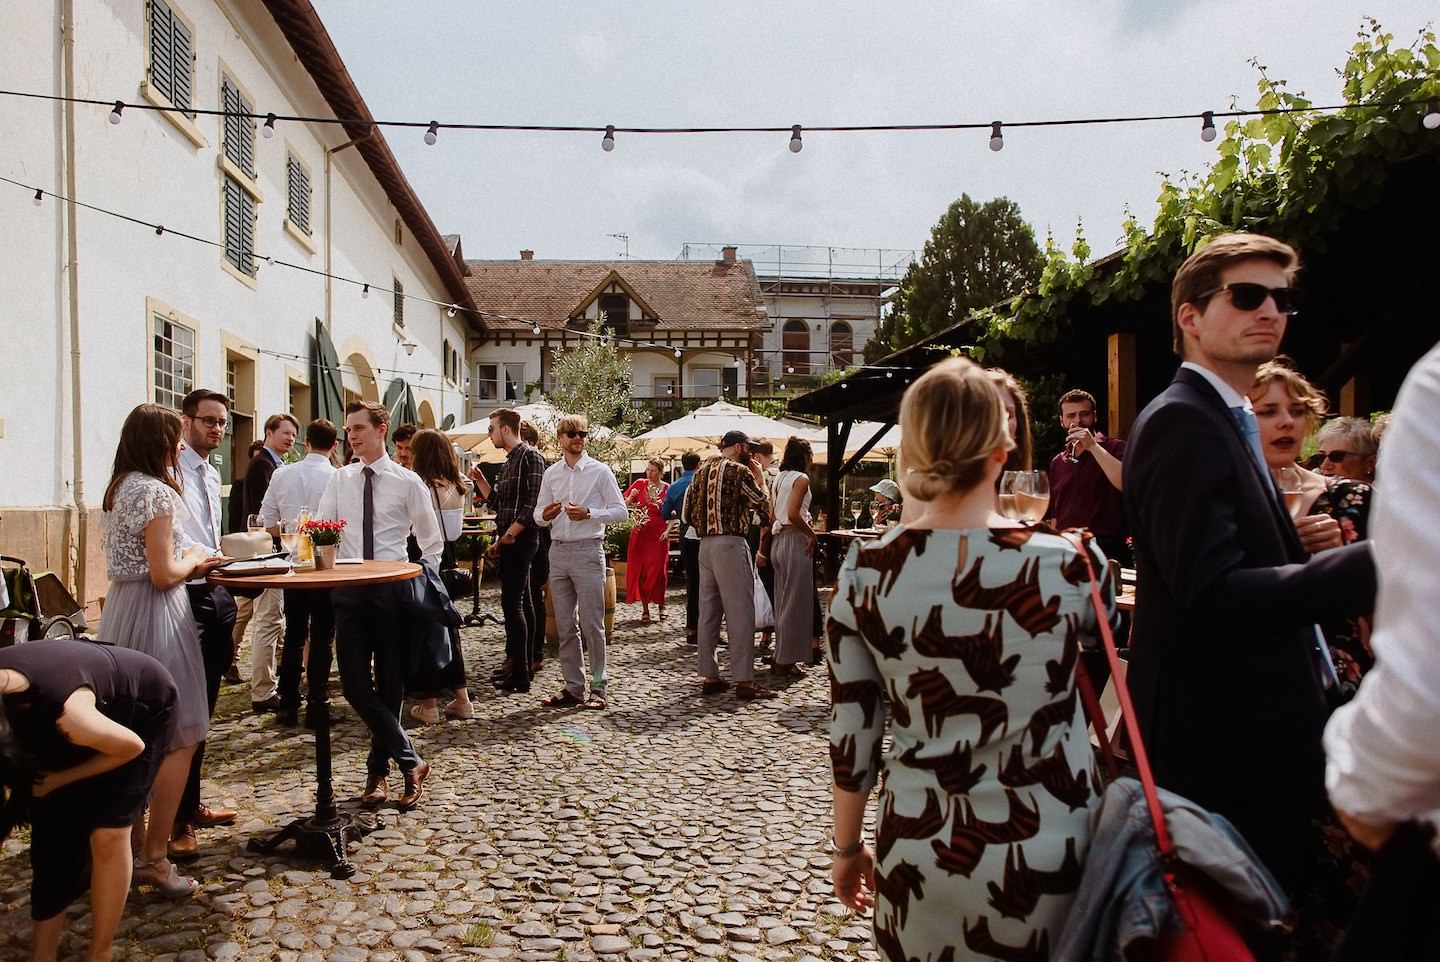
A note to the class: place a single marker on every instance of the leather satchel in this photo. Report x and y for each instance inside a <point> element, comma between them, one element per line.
<point>1206,929</point>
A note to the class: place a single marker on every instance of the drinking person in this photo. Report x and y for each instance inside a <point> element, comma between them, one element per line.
<point>648,559</point>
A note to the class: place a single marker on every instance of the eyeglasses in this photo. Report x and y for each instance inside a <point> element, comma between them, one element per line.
<point>1335,457</point>
<point>212,422</point>
<point>1249,297</point>
<point>576,434</point>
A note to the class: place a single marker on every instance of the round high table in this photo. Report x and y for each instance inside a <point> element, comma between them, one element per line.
<point>326,833</point>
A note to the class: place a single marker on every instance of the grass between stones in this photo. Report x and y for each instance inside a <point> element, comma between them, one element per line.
<point>479,936</point>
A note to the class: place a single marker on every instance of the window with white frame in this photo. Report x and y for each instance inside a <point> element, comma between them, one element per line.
<point>172,54</point>
<point>174,361</point>
<point>485,386</point>
<point>705,382</point>
<point>515,381</point>
<point>298,191</point>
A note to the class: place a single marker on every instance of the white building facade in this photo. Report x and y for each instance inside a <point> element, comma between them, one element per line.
<point>103,314</point>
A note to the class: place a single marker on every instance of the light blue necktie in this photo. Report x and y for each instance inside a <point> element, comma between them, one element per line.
<point>1251,429</point>
<point>205,500</point>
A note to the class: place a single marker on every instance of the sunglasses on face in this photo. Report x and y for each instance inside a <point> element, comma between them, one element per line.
<point>576,434</point>
<point>1249,297</point>
<point>1335,457</point>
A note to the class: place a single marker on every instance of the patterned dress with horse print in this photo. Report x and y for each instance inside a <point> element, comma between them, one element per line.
<point>967,640</point>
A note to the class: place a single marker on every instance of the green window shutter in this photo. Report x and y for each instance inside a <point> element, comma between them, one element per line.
<point>181,63</point>
<point>239,129</point>
<point>162,49</point>
<point>233,236</point>
<point>399,303</point>
<point>299,195</point>
<point>247,231</point>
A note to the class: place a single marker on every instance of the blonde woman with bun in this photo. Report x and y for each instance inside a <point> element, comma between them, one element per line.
<point>959,633</point>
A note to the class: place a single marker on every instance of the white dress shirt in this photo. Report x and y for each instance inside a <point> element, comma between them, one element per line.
<point>295,487</point>
<point>402,505</point>
<point>589,484</point>
<point>1383,766</point>
<point>200,483</point>
<point>1231,397</point>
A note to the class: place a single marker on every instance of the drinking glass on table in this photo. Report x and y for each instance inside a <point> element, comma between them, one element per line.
<point>1288,480</point>
<point>1032,494</point>
<point>855,508</point>
<point>290,538</point>
<point>1007,495</point>
<point>253,523</point>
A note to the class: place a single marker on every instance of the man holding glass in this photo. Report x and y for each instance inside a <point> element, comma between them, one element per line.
<point>1085,478</point>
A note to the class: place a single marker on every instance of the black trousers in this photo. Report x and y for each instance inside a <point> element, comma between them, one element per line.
<point>308,614</point>
<point>372,642</point>
<point>517,604</point>
<point>539,574</point>
<point>690,558</point>
<point>214,612</point>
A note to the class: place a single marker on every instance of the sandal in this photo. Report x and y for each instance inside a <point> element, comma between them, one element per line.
<point>162,874</point>
<point>597,701</point>
<point>561,699</point>
<point>752,692</point>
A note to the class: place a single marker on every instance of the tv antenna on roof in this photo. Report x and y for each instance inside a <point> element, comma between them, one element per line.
<point>626,239</point>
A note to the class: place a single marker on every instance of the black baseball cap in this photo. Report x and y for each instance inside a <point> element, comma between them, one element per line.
<point>735,437</point>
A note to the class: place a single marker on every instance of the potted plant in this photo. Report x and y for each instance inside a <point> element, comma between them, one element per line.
<point>617,548</point>
<point>325,536</point>
<point>470,547</point>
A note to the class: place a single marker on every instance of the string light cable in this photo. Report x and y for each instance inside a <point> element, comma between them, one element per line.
<point>432,128</point>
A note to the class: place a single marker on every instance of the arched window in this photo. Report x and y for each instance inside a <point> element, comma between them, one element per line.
<point>842,345</point>
<point>795,347</point>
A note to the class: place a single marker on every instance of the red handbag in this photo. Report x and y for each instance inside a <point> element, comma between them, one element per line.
<point>1205,932</point>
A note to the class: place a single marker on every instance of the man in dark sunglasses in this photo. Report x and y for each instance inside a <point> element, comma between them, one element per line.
<point>1230,687</point>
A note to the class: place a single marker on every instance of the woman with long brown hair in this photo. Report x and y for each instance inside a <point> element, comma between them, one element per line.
<point>146,608</point>
<point>648,558</point>
<point>432,457</point>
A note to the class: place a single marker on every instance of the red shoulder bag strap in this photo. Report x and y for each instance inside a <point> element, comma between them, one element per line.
<point>1127,708</point>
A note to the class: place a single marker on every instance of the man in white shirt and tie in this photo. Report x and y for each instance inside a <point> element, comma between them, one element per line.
<point>381,503</point>
<point>578,497</point>
<point>295,489</point>
<point>204,416</point>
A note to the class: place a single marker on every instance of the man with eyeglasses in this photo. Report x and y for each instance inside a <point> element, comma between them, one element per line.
<point>1229,683</point>
<point>204,416</point>
<point>578,497</point>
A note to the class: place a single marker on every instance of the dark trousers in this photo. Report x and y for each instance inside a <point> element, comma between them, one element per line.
<point>214,612</point>
<point>308,614</point>
<point>517,604</point>
<point>539,574</point>
<point>370,629</point>
<point>690,558</point>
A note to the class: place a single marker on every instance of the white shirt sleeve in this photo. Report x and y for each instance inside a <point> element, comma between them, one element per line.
<point>1382,765</point>
<point>612,510</point>
<point>547,492</point>
<point>329,508</point>
<point>269,506</point>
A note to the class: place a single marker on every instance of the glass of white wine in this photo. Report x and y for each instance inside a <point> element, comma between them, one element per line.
<point>855,508</point>
<point>253,523</point>
<point>1032,494</point>
<point>290,538</point>
<point>1291,485</point>
<point>1007,495</point>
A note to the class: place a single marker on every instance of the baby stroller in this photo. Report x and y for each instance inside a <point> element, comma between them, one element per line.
<point>36,606</point>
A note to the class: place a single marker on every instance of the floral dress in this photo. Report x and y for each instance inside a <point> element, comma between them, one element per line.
<point>138,615</point>
<point>967,641</point>
<point>1348,502</point>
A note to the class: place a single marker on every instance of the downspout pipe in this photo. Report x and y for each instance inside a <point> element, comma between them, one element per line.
<point>79,530</point>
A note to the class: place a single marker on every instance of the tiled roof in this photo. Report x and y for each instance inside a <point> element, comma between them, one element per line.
<point>685,295</point>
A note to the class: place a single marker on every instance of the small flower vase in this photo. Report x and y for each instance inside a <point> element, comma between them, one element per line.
<point>325,556</point>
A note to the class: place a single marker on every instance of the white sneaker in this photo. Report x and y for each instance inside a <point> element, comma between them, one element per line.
<point>422,714</point>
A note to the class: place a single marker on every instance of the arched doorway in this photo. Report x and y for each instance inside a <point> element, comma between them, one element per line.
<point>795,347</point>
<point>842,345</point>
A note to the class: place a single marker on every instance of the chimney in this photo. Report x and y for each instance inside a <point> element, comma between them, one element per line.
<point>527,255</point>
<point>727,253</point>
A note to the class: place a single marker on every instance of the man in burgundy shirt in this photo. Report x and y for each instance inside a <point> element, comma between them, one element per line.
<point>1085,478</point>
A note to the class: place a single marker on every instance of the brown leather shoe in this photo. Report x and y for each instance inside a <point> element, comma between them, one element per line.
<point>183,846</point>
<point>414,786</point>
<point>207,817</point>
<point>377,790</point>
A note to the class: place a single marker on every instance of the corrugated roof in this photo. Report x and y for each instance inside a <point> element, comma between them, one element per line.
<point>685,295</point>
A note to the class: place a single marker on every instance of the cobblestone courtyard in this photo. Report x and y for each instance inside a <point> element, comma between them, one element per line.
<point>668,826</point>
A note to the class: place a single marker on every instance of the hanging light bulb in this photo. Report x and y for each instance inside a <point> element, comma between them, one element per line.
<point>535,329</point>
<point>607,143</point>
<point>997,139</point>
<point>39,196</point>
<point>889,373</point>
<point>159,230</point>
<point>795,144</point>
<point>116,111</point>
<point>268,130</point>
<point>365,291</point>
<point>1207,126</point>
<point>270,261</point>
<point>1432,116</point>
<point>735,362</point>
<point>433,134</point>
<point>450,311</point>
<point>678,355</point>
<point>844,385</point>
<point>789,369</point>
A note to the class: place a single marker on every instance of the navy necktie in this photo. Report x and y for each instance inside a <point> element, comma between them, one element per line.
<point>367,524</point>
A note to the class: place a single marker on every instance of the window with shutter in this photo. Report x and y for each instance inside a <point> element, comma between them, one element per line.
<point>240,213</point>
<point>239,140</point>
<point>298,197</point>
<point>399,303</point>
<point>171,54</point>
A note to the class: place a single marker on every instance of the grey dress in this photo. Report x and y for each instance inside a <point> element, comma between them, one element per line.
<point>138,615</point>
<point>968,641</point>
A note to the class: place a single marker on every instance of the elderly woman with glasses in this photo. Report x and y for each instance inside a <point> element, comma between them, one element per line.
<point>1348,449</point>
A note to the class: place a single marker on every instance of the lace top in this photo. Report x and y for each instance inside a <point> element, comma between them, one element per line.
<point>138,500</point>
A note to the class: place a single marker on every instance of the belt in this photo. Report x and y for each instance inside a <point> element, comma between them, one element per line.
<point>575,540</point>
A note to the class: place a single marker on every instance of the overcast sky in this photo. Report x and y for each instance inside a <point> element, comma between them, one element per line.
<point>683,63</point>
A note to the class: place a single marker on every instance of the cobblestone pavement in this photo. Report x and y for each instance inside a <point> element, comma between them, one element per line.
<point>668,826</point>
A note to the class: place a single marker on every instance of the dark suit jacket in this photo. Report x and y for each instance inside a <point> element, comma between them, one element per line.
<point>247,495</point>
<point>1224,661</point>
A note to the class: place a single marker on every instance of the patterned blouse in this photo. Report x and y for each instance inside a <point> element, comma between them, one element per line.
<point>1348,502</point>
<point>721,497</point>
<point>139,500</point>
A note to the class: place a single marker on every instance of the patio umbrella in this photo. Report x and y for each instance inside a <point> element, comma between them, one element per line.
<point>708,424</point>
<point>475,436</point>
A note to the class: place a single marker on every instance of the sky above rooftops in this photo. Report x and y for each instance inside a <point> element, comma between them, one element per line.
<point>675,63</point>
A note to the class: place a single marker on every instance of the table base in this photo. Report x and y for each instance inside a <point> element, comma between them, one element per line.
<point>323,839</point>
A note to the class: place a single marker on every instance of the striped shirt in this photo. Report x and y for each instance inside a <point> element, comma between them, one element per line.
<point>721,496</point>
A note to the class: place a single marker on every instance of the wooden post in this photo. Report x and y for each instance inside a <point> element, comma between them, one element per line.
<point>1122,408</point>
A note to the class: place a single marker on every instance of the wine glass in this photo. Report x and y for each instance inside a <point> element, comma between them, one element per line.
<point>855,508</point>
<point>290,538</point>
<point>1007,495</point>
<point>253,523</point>
<point>1288,480</point>
<point>1032,494</point>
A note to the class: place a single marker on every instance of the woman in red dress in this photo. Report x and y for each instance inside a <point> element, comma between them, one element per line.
<point>648,561</point>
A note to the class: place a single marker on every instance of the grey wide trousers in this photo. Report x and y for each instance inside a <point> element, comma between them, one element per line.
<point>577,592</point>
<point>794,597</point>
<point>727,588</point>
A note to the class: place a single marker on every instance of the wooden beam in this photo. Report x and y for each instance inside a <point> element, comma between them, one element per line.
<point>1122,389</point>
